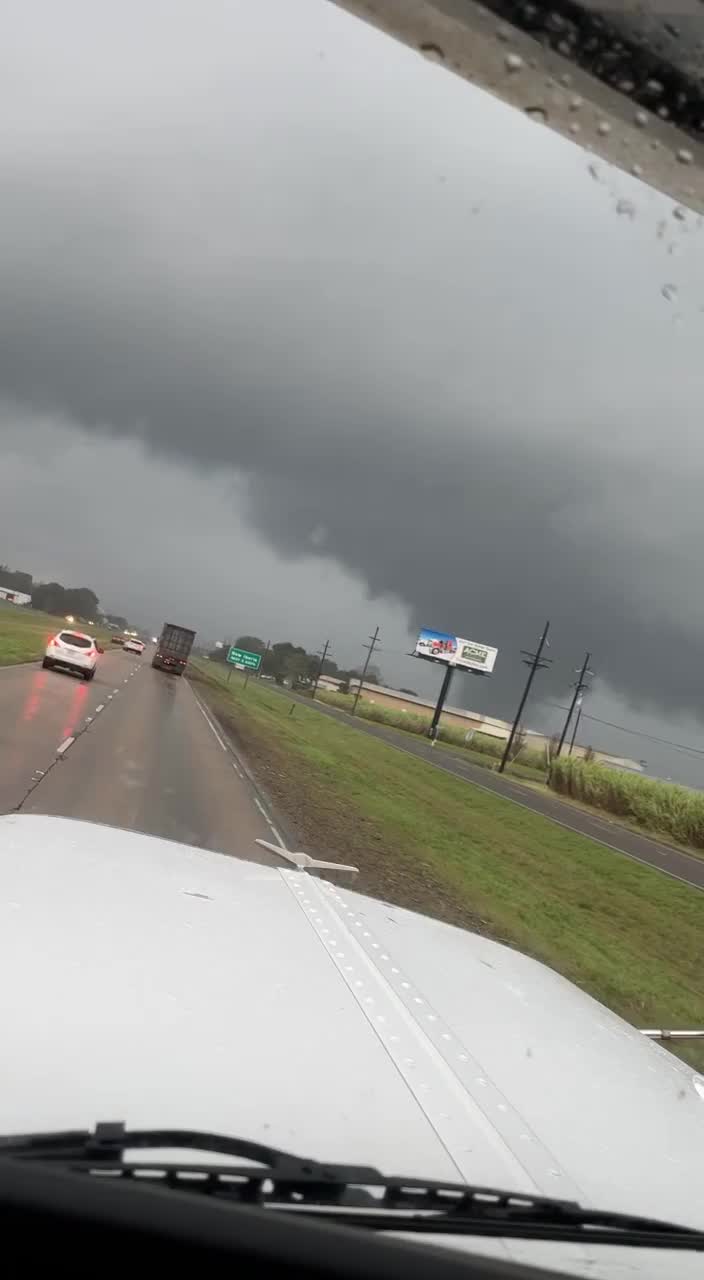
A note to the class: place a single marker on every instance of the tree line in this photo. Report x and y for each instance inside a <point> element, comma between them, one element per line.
<point>52,597</point>
<point>287,661</point>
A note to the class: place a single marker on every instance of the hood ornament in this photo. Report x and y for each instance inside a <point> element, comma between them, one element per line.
<point>303,861</point>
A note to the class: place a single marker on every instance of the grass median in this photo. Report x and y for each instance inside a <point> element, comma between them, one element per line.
<point>431,842</point>
<point>25,633</point>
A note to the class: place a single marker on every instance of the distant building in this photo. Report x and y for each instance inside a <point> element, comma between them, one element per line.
<point>14,597</point>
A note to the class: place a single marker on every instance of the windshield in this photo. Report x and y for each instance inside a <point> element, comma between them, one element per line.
<point>78,642</point>
<point>387,337</point>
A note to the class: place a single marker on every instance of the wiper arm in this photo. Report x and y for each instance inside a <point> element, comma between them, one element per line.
<point>354,1194</point>
<point>104,1150</point>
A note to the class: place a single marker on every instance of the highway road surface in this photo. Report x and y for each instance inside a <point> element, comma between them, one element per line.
<point>133,748</point>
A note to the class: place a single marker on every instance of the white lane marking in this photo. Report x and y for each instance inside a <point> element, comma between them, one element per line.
<point>100,708</point>
<point>277,834</point>
<point>267,819</point>
<point>64,746</point>
<point>210,724</point>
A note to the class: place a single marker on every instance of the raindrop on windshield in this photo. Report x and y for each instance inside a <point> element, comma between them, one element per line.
<point>669,291</point>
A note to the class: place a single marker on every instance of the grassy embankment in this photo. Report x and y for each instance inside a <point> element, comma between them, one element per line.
<point>25,632</point>
<point>659,809</point>
<point>430,842</point>
<point>482,749</point>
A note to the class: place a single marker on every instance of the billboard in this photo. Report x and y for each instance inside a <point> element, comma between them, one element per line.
<point>439,646</point>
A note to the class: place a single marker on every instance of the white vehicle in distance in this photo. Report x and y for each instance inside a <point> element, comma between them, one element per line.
<point>133,646</point>
<point>73,650</point>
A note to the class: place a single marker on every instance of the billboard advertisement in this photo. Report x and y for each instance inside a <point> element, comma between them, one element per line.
<point>439,646</point>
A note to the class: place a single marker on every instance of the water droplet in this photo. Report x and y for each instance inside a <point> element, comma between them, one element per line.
<point>663,113</point>
<point>684,156</point>
<point>503,32</point>
<point>575,126</point>
<point>641,118</point>
<point>653,86</point>
<point>603,128</point>
<point>679,213</point>
<point>566,79</point>
<point>594,173</point>
<point>669,291</point>
<point>661,228</point>
<point>637,170</point>
<point>513,62</point>
<point>575,102</point>
<point>626,208</point>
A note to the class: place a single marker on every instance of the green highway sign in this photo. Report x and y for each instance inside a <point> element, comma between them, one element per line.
<point>241,658</point>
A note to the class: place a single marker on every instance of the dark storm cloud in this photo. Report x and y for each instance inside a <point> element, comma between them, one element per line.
<point>416,324</point>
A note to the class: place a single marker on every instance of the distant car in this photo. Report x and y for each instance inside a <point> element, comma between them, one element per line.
<point>116,640</point>
<point>133,646</point>
<point>73,650</point>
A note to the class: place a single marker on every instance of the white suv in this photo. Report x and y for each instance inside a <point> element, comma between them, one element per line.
<point>73,650</point>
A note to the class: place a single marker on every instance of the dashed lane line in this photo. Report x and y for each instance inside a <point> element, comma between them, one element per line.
<point>64,746</point>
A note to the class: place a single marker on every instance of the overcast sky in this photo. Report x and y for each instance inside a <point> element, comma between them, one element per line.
<point>299,334</point>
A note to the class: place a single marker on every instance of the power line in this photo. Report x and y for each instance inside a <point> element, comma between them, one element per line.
<point>536,662</point>
<point>579,688</point>
<point>635,732</point>
<point>319,672</point>
<point>370,649</point>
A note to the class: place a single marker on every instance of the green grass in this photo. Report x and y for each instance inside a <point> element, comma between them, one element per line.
<point>661,808</point>
<point>482,750</point>
<point>24,633</point>
<point>428,841</point>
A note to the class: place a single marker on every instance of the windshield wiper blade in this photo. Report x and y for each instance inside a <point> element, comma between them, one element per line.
<point>107,1145</point>
<point>356,1195</point>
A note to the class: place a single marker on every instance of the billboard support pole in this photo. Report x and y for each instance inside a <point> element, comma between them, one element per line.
<point>444,690</point>
<point>535,661</point>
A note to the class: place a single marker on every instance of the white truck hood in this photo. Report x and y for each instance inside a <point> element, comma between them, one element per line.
<point>166,986</point>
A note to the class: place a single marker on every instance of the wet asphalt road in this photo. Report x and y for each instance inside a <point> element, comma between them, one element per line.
<point>140,753</point>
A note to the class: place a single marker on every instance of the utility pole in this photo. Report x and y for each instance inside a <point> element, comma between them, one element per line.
<point>536,662</point>
<point>319,672</point>
<point>370,648</point>
<point>576,723</point>
<point>579,688</point>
